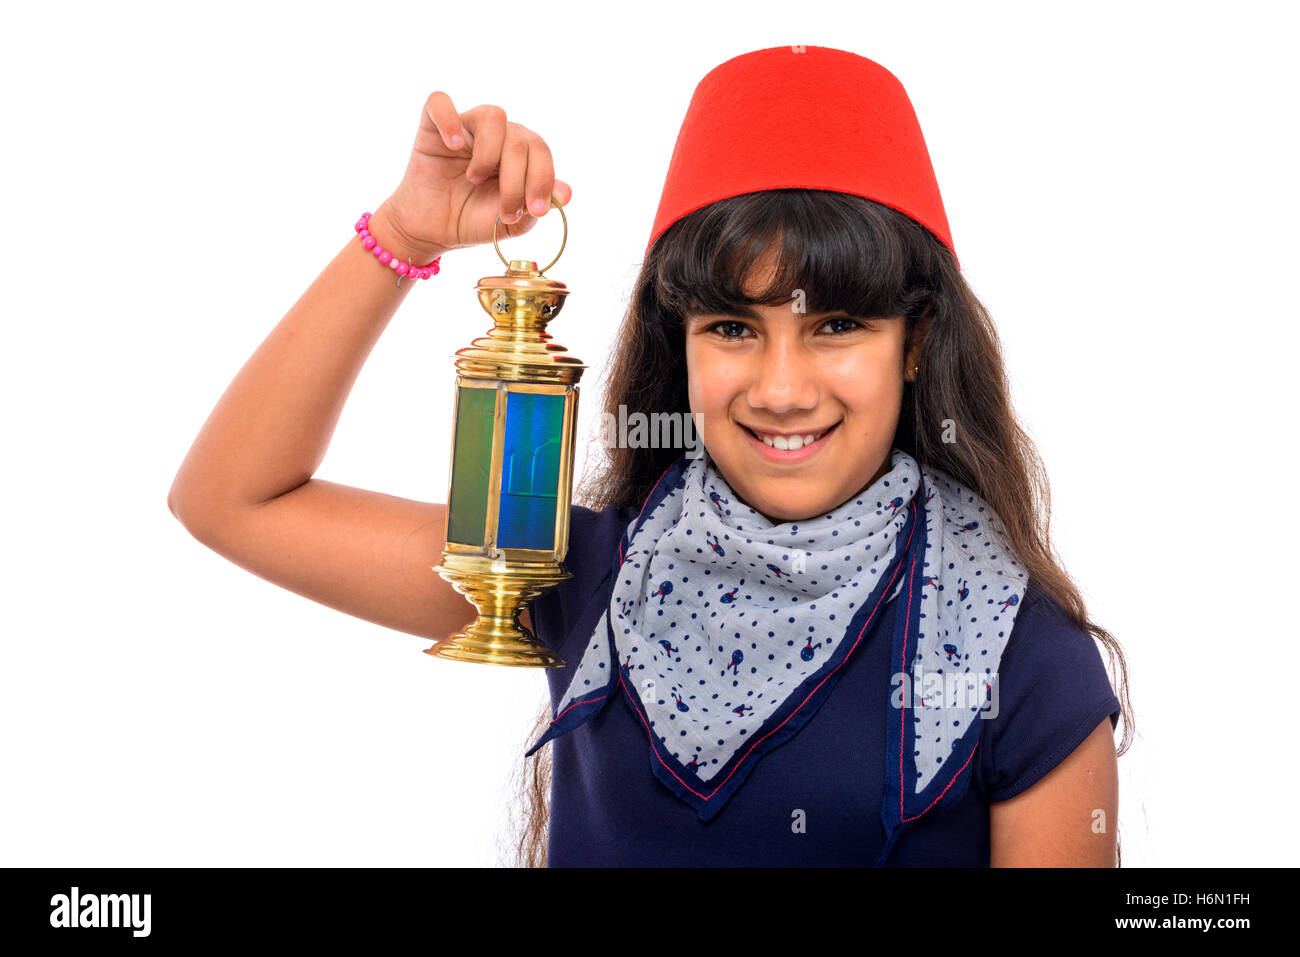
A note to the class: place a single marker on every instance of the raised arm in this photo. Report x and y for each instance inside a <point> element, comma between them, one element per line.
<point>247,487</point>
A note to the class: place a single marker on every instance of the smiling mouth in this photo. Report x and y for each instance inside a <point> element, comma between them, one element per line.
<point>791,443</point>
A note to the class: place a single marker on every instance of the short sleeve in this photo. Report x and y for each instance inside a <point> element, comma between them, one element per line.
<point>593,550</point>
<point>1053,691</point>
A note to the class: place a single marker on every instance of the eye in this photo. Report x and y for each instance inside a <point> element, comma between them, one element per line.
<point>843,324</point>
<point>726,328</point>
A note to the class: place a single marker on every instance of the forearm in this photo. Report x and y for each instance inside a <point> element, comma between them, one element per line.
<point>271,428</point>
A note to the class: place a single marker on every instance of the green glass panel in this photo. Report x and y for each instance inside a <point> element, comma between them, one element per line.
<point>471,466</point>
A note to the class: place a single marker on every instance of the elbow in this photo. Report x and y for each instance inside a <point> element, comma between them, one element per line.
<point>173,506</point>
<point>174,500</point>
<point>182,512</point>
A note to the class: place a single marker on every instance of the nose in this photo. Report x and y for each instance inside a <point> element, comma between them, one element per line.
<point>784,380</point>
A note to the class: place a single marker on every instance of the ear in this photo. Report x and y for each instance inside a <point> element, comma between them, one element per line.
<point>915,344</point>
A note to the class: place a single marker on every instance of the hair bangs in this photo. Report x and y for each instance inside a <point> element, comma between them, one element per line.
<point>826,251</point>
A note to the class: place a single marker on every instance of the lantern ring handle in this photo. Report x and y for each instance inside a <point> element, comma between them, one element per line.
<point>563,240</point>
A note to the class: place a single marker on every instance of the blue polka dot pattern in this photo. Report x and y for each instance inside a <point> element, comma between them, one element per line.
<point>717,616</point>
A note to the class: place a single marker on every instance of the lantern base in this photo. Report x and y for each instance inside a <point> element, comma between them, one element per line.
<point>496,641</point>
<point>499,590</point>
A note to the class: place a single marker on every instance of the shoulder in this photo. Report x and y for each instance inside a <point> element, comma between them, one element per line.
<point>1043,633</point>
<point>1051,692</point>
<point>592,528</point>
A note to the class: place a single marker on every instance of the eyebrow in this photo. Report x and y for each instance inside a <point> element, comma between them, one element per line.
<point>740,309</point>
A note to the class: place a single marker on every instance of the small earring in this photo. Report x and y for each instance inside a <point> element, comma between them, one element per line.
<point>915,369</point>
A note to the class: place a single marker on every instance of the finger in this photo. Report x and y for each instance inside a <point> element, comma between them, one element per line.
<point>487,123</point>
<point>440,116</point>
<point>541,176</point>
<point>563,192</point>
<point>513,173</point>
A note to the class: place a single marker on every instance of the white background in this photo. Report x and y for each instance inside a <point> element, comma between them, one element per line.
<point>1120,183</point>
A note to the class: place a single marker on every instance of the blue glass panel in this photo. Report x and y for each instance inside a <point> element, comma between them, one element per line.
<point>530,470</point>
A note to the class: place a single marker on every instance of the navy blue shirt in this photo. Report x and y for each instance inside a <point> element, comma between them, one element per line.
<point>815,800</point>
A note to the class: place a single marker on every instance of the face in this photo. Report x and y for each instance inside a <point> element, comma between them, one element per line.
<point>783,376</point>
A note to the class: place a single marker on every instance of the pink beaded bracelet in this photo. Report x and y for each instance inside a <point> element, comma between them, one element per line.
<point>386,258</point>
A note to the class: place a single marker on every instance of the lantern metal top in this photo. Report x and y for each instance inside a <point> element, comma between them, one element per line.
<point>521,303</point>
<point>563,240</point>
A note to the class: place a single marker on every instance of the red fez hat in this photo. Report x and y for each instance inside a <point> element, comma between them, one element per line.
<point>803,117</point>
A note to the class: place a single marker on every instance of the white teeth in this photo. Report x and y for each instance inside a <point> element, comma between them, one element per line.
<point>790,444</point>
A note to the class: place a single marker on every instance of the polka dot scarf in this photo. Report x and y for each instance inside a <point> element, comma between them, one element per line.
<point>725,631</point>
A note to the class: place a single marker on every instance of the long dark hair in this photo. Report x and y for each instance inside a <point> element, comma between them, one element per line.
<point>852,254</point>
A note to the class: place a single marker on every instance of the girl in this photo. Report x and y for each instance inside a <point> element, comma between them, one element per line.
<point>770,609</point>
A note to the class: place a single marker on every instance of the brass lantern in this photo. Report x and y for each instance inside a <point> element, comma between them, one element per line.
<point>516,405</point>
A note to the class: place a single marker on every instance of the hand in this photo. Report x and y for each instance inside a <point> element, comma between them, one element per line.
<point>465,169</point>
